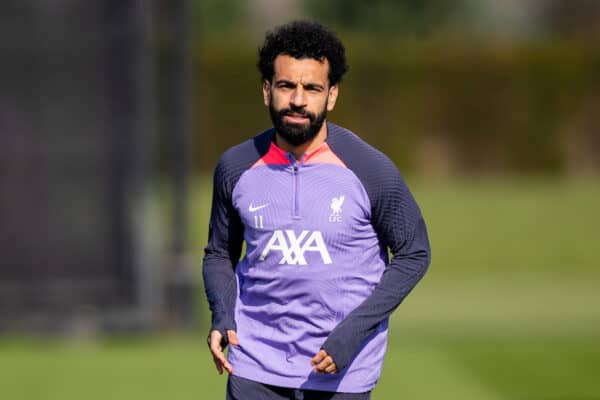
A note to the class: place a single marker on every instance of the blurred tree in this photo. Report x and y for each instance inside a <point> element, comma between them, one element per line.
<point>573,18</point>
<point>418,17</point>
<point>216,17</point>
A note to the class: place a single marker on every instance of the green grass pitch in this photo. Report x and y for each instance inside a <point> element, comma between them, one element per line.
<point>510,309</point>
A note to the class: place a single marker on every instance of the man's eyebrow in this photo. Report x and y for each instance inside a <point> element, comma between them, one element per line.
<point>309,85</point>
<point>314,86</point>
<point>280,81</point>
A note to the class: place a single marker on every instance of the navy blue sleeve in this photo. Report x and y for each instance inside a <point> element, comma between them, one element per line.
<point>398,222</point>
<point>226,232</point>
<point>225,237</point>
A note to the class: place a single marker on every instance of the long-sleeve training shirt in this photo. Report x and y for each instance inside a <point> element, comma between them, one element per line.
<point>316,273</point>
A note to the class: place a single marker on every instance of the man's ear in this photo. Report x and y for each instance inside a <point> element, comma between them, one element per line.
<point>332,97</point>
<point>266,88</point>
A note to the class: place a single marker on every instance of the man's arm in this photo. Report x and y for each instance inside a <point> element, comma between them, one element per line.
<point>400,226</point>
<point>221,256</point>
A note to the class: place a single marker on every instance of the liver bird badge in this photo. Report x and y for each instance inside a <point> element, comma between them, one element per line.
<point>336,208</point>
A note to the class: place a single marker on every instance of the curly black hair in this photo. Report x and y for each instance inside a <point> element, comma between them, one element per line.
<point>303,39</point>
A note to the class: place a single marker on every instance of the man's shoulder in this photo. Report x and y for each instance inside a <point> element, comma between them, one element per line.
<point>243,155</point>
<point>356,152</point>
<point>378,174</point>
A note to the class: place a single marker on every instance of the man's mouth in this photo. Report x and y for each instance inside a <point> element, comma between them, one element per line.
<point>296,118</point>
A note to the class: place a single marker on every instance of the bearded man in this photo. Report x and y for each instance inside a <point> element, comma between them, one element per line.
<point>305,312</point>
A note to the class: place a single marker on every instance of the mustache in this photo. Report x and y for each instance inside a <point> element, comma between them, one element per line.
<point>298,111</point>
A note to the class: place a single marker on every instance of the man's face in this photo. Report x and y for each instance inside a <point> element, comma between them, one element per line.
<point>299,97</point>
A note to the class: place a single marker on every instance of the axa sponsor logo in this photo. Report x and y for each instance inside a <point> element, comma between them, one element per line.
<point>293,248</point>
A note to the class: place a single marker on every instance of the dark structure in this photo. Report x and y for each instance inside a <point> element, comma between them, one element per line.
<point>79,246</point>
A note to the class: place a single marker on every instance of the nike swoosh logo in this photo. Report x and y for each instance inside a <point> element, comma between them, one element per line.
<point>253,209</point>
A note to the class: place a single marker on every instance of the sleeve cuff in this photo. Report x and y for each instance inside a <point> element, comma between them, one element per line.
<point>223,323</point>
<point>341,354</point>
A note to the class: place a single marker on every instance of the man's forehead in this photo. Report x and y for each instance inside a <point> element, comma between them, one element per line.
<point>288,67</point>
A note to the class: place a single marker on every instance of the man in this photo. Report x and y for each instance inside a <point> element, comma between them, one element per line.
<point>305,312</point>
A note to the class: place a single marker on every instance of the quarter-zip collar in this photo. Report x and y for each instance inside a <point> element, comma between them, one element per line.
<point>280,153</point>
<point>295,184</point>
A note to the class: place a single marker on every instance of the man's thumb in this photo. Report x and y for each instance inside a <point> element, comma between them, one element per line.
<point>231,335</point>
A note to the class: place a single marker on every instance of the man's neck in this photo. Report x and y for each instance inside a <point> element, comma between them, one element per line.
<point>303,148</point>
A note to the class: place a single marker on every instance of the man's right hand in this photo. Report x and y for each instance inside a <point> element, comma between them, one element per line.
<point>215,338</point>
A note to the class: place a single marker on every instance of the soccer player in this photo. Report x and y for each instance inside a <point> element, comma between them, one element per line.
<point>305,312</point>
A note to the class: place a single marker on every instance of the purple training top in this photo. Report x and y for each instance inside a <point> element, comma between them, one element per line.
<point>316,271</point>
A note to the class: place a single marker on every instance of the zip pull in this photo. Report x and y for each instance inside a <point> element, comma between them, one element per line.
<point>295,163</point>
<point>295,185</point>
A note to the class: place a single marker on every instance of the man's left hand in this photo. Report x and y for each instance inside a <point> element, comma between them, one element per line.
<point>323,363</point>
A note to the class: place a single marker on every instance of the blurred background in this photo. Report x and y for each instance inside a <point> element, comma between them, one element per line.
<point>113,114</point>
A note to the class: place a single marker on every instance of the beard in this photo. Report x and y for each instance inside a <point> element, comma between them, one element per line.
<point>296,134</point>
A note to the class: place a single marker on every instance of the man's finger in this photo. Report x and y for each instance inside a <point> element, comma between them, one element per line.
<point>331,368</point>
<point>232,337</point>
<point>219,359</point>
<point>228,366</point>
<point>218,365</point>
<point>221,362</point>
<point>318,357</point>
<point>327,361</point>
<point>214,337</point>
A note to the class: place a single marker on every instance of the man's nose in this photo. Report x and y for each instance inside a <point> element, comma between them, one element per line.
<point>298,98</point>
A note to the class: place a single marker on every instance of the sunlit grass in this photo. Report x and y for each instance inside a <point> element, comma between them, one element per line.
<point>476,367</point>
<point>508,310</point>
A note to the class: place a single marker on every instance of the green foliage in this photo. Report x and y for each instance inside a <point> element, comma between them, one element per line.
<point>489,107</point>
<point>216,17</point>
<point>413,17</point>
